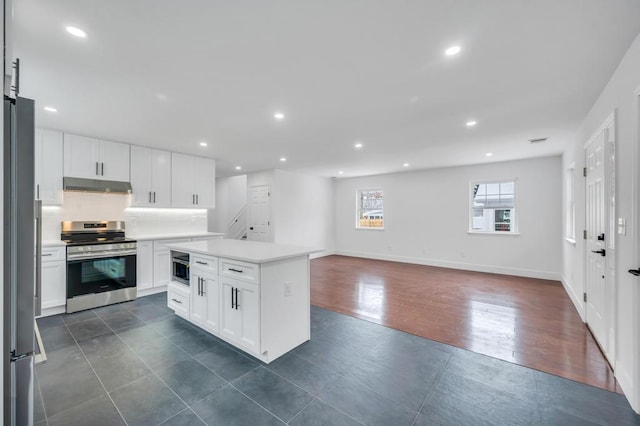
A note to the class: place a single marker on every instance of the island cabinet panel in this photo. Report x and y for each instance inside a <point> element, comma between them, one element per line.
<point>205,293</point>
<point>253,295</point>
<point>240,313</point>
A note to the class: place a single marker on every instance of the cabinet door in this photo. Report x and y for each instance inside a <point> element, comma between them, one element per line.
<point>48,166</point>
<point>205,181</point>
<point>162,261</point>
<point>54,284</point>
<point>81,157</point>
<point>182,180</point>
<point>161,178</point>
<point>141,175</point>
<point>240,314</point>
<point>212,294</point>
<point>114,161</point>
<point>161,267</point>
<point>248,301</point>
<point>144,265</point>
<point>230,317</point>
<point>198,299</point>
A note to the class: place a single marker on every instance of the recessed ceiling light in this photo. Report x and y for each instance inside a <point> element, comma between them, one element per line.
<point>489,154</point>
<point>405,165</point>
<point>75,31</point>
<point>358,145</point>
<point>283,159</point>
<point>238,168</point>
<point>278,116</point>
<point>471,123</point>
<point>340,172</point>
<point>50,109</point>
<point>453,50</point>
<point>203,144</point>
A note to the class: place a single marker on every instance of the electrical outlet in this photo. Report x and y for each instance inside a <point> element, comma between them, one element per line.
<point>287,289</point>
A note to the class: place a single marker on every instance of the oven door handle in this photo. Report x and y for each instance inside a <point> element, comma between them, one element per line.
<point>104,255</point>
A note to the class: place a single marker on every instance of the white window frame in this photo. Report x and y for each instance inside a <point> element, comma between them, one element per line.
<point>358,193</point>
<point>514,221</point>
<point>570,213</point>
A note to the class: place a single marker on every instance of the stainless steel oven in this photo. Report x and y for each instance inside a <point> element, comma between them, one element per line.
<point>180,267</point>
<point>101,265</point>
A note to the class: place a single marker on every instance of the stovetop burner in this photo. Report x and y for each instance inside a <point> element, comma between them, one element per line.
<point>93,233</point>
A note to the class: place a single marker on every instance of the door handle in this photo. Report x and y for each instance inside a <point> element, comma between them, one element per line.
<point>601,237</point>
<point>149,197</point>
<point>97,168</point>
<point>251,228</point>
<point>601,252</point>
<point>197,199</point>
<point>154,197</point>
<point>635,272</point>
<point>102,168</point>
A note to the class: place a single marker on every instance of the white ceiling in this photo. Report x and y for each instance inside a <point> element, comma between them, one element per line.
<point>169,74</point>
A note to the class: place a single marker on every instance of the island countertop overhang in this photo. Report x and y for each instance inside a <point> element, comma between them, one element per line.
<point>247,251</point>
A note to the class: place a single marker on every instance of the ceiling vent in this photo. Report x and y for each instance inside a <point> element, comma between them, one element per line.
<point>538,140</point>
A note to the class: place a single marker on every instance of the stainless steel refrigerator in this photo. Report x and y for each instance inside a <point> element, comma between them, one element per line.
<point>21,261</point>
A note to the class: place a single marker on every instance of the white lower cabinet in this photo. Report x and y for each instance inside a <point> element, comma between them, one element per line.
<point>54,277</point>
<point>144,265</point>
<point>162,261</point>
<point>240,314</point>
<point>205,294</point>
<point>178,299</point>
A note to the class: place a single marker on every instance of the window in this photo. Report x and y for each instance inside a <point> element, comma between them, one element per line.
<point>570,220</point>
<point>370,210</point>
<point>493,207</point>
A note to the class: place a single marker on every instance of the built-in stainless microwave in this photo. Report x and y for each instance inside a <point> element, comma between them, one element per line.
<point>180,267</point>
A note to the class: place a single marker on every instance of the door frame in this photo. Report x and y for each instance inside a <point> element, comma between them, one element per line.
<point>610,186</point>
<point>634,398</point>
<point>249,210</point>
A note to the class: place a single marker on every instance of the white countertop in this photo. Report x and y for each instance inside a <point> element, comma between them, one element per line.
<point>169,236</point>
<point>247,251</point>
<point>53,243</point>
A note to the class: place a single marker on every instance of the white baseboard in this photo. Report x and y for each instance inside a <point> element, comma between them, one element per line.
<point>625,381</point>
<point>150,291</point>
<point>53,311</point>
<point>321,254</point>
<point>502,270</point>
<point>577,301</point>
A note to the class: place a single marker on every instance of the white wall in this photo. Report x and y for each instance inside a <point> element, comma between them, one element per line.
<point>303,208</point>
<point>426,219</point>
<point>617,97</point>
<point>138,221</point>
<point>231,197</point>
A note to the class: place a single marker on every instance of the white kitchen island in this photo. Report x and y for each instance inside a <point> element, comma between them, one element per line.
<point>253,295</point>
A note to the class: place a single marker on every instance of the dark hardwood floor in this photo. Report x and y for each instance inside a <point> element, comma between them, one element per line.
<point>526,321</point>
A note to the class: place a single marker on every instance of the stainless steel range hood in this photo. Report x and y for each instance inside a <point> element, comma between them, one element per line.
<point>95,185</point>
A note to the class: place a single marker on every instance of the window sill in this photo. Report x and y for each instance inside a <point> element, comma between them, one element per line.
<point>493,233</point>
<point>570,241</point>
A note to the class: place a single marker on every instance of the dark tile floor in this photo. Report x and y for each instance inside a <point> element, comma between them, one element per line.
<point>138,364</point>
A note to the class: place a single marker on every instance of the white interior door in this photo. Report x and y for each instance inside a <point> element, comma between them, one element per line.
<point>259,221</point>
<point>596,274</point>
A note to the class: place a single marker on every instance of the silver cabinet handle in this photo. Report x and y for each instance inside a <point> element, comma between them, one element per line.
<point>177,301</point>
<point>154,197</point>
<point>149,196</point>
<point>37,191</point>
<point>97,170</point>
<point>47,254</point>
<point>197,199</point>
<point>102,168</point>
<point>201,263</point>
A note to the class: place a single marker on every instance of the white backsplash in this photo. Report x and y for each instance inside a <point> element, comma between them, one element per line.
<point>138,221</point>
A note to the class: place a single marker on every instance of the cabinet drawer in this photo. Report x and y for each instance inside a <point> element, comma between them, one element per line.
<point>178,299</point>
<point>204,263</point>
<point>248,272</point>
<point>51,254</point>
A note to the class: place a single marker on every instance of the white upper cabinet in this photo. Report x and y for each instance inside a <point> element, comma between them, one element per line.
<point>192,181</point>
<point>150,177</point>
<point>95,159</point>
<point>48,166</point>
